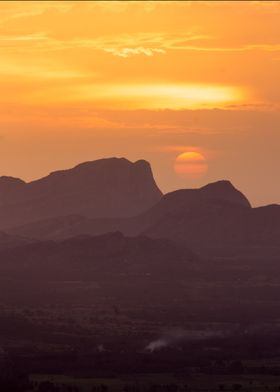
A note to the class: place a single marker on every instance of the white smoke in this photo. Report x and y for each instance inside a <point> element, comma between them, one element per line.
<point>156,345</point>
<point>170,337</point>
<point>175,335</point>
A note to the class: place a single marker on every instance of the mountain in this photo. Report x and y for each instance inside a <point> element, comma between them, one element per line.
<point>86,257</point>
<point>224,190</point>
<point>179,202</point>
<point>215,219</point>
<point>9,186</point>
<point>12,241</point>
<point>116,195</point>
<point>189,216</point>
<point>201,218</point>
<point>104,188</point>
<point>188,200</point>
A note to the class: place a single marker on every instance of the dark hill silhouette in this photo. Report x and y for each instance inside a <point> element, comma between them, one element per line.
<point>184,200</point>
<point>179,201</point>
<point>87,257</point>
<point>113,187</point>
<point>110,195</point>
<point>215,219</point>
<point>12,241</point>
<point>224,190</point>
<point>9,187</point>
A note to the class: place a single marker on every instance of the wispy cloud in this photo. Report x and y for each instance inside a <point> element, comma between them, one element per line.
<point>243,48</point>
<point>40,36</point>
<point>18,10</point>
<point>127,52</point>
<point>124,46</point>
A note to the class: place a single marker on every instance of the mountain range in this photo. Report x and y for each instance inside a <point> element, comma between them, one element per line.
<point>87,258</point>
<point>116,195</point>
<point>97,255</point>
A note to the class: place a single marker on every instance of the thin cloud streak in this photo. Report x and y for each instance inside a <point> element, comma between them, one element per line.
<point>127,52</point>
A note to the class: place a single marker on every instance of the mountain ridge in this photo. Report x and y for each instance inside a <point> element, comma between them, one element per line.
<point>107,187</point>
<point>216,217</point>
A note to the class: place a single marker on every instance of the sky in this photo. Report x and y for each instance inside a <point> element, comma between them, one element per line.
<point>190,86</point>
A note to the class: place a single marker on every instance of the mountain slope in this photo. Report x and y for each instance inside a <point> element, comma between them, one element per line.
<point>211,224</point>
<point>87,257</point>
<point>181,202</point>
<point>103,188</point>
<point>215,219</point>
<point>9,187</point>
<point>11,241</point>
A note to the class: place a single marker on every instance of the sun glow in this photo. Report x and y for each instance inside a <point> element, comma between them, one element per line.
<point>191,164</point>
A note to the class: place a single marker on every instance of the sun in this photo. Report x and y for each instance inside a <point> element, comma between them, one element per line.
<point>191,164</point>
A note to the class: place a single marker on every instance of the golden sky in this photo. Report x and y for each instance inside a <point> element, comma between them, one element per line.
<point>152,80</point>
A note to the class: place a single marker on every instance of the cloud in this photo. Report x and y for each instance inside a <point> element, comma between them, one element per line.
<point>18,10</point>
<point>162,37</point>
<point>242,48</point>
<point>147,44</point>
<point>142,43</point>
<point>127,52</point>
<point>40,36</point>
<point>196,122</point>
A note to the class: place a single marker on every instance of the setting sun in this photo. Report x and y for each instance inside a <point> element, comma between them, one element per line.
<point>191,164</point>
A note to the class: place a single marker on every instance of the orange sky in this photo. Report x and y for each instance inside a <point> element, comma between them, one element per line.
<point>84,80</point>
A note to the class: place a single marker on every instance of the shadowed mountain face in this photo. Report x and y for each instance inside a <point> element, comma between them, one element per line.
<point>185,201</point>
<point>10,241</point>
<point>103,188</point>
<point>9,188</point>
<point>88,257</point>
<point>215,219</point>
<point>116,195</point>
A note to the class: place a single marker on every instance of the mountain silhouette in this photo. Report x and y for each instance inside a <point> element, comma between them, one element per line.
<point>12,241</point>
<point>9,187</point>
<point>215,219</point>
<point>86,257</point>
<point>184,216</point>
<point>224,190</point>
<point>178,201</point>
<point>113,187</point>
